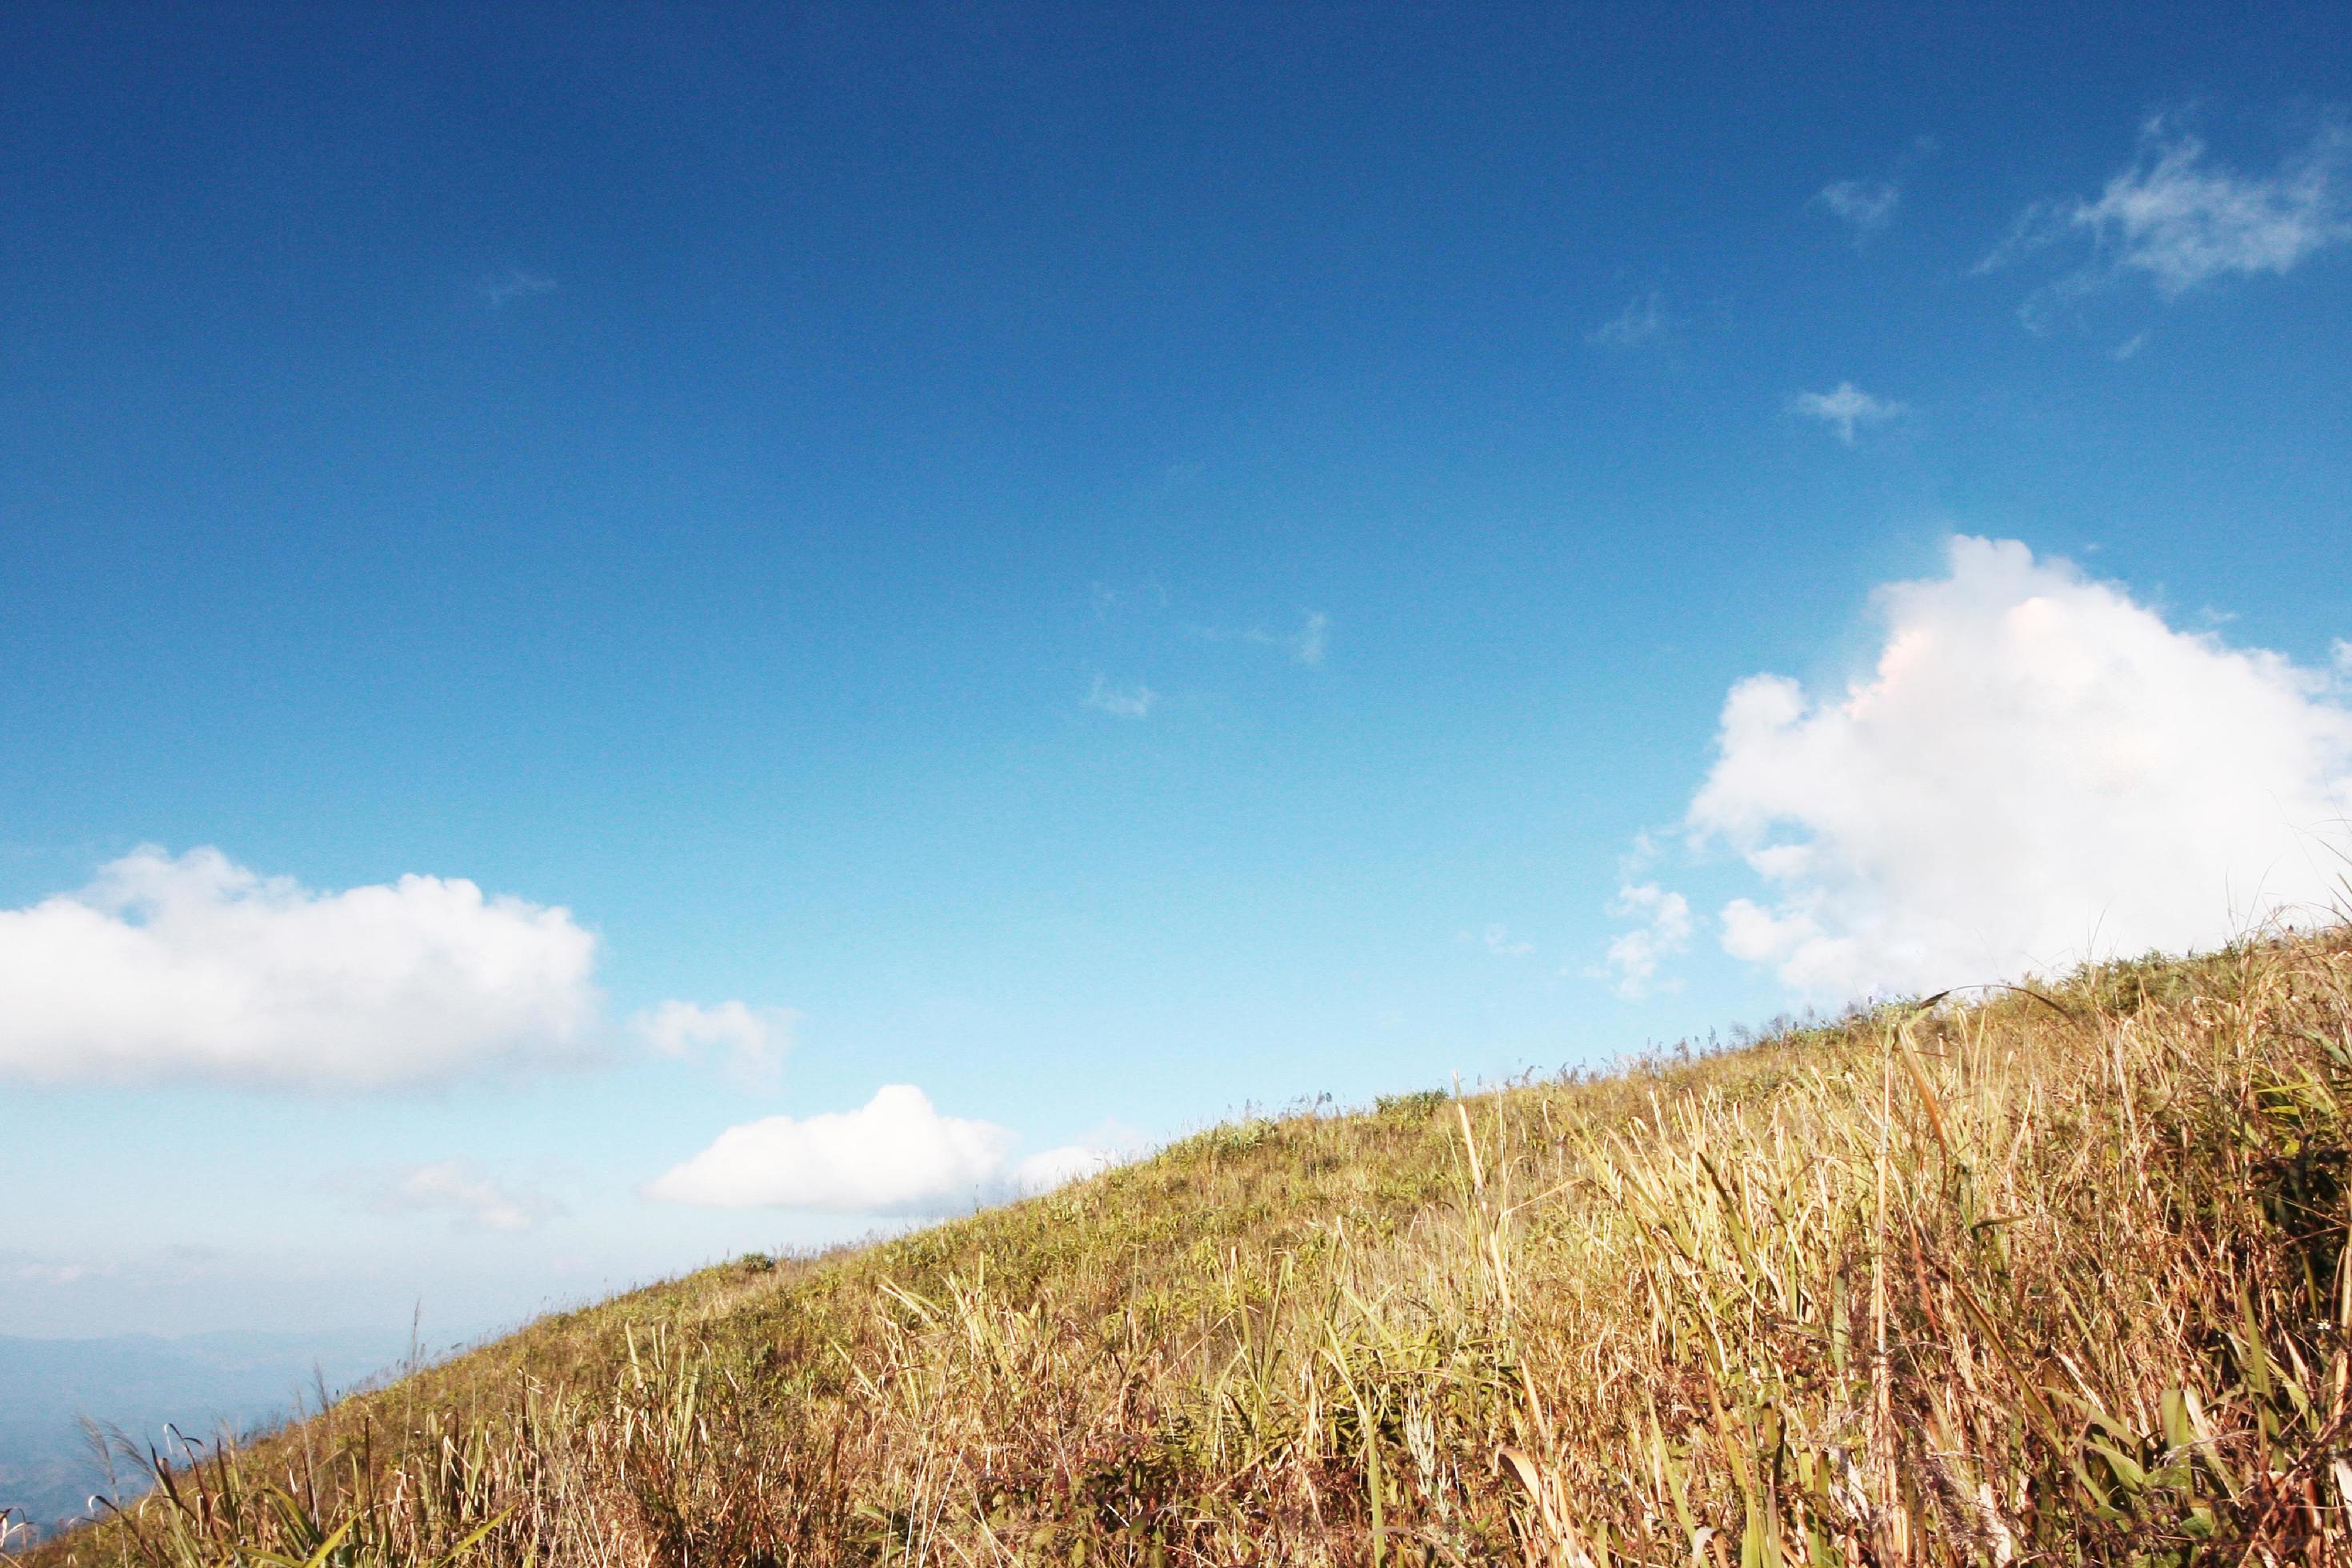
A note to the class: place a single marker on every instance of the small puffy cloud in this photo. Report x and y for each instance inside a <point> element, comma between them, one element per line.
<point>1844,409</point>
<point>459,1189</point>
<point>192,967</point>
<point>2038,770</point>
<point>1642,319</point>
<point>1633,958</point>
<point>1120,701</point>
<point>2181,220</point>
<point>893,1155</point>
<point>1867,205</point>
<point>753,1039</point>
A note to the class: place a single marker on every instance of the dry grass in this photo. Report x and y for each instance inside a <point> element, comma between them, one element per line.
<point>2055,1278</point>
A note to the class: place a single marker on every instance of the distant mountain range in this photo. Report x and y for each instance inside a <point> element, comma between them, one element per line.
<point>140,1385</point>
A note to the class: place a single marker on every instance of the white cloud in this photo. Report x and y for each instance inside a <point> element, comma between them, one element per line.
<point>754,1038</point>
<point>194,967</point>
<point>2038,770</point>
<point>1867,205</point>
<point>1642,319</point>
<point>1665,930</point>
<point>893,1155</point>
<point>2181,220</point>
<point>458,1188</point>
<point>1121,701</point>
<point>1844,409</point>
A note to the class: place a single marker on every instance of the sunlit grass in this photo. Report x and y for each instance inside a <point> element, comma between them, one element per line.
<point>2054,1278</point>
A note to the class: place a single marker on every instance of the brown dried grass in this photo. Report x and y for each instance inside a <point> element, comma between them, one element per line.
<point>2041,1277</point>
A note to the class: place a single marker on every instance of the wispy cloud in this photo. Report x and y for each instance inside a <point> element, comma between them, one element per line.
<point>1499,939</point>
<point>1643,317</point>
<point>504,289</point>
<point>1845,409</point>
<point>1120,701</point>
<point>1868,206</point>
<point>473,1200</point>
<point>2182,219</point>
<point>1308,644</point>
<point>1634,958</point>
<point>753,1039</point>
<point>1311,642</point>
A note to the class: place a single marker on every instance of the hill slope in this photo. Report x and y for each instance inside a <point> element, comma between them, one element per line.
<point>2053,1276</point>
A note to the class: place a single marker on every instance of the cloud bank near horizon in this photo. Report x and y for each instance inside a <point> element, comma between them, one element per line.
<point>2038,770</point>
<point>191,967</point>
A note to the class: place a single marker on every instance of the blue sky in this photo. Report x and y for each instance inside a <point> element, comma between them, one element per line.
<point>1110,565</point>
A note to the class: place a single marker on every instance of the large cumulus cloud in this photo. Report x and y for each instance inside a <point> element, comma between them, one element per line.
<point>191,967</point>
<point>2039,769</point>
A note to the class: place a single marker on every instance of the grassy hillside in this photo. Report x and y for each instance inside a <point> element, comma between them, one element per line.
<point>2041,1277</point>
<point>250,1380</point>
